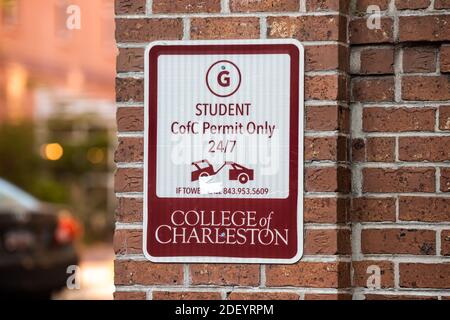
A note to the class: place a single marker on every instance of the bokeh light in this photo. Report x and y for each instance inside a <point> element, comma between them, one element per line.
<point>52,151</point>
<point>95,155</point>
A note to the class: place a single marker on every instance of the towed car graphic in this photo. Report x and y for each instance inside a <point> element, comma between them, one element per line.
<point>237,172</point>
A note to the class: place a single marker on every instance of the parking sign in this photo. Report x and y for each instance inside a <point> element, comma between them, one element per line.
<point>223,151</point>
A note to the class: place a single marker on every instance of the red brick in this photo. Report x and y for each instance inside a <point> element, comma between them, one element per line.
<point>130,295</point>
<point>380,119</point>
<point>424,209</point>
<point>399,180</point>
<point>377,61</point>
<point>186,295</point>
<point>326,57</point>
<point>129,210</point>
<point>309,274</point>
<point>325,210</point>
<point>434,149</point>
<point>128,180</point>
<point>373,89</point>
<point>129,150</point>
<point>398,297</point>
<point>130,272</point>
<point>130,119</point>
<point>325,87</point>
<point>445,179</point>
<point>237,295</point>
<point>424,88</point>
<point>425,275</point>
<point>445,242</point>
<point>358,150</point>
<point>327,118</point>
<point>325,148</point>
<point>186,6</point>
<point>445,57</point>
<point>127,242</point>
<point>424,28</point>
<point>380,149</point>
<point>130,6</point>
<point>442,4</point>
<point>419,59</point>
<point>318,148</point>
<point>444,117</point>
<point>343,152</point>
<point>373,209</point>
<point>130,60</point>
<point>224,274</point>
<point>361,34</point>
<point>308,28</point>
<point>327,241</point>
<point>327,179</point>
<point>361,273</point>
<point>146,30</point>
<point>412,4</point>
<point>225,28</point>
<point>398,241</point>
<point>129,90</point>
<point>361,5</point>
<point>264,5</point>
<point>328,5</point>
<point>328,296</point>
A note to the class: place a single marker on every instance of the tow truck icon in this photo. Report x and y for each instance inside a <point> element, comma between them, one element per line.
<point>237,172</point>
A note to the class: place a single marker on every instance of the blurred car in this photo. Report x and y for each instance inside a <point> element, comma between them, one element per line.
<point>36,244</point>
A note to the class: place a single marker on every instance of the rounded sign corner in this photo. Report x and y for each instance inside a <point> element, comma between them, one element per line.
<point>208,202</point>
<point>296,258</point>
<point>148,256</point>
<point>296,43</point>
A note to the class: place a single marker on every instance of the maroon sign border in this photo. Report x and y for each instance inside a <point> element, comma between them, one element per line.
<point>156,204</point>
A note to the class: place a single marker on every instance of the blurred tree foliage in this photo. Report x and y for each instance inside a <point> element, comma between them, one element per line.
<point>21,164</point>
<point>78,179</point>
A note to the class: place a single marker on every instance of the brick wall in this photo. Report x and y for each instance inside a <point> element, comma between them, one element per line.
<point>371,196</point>
<point>400,149</point>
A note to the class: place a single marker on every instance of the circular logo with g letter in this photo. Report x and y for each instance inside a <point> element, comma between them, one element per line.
<point>223,78</point>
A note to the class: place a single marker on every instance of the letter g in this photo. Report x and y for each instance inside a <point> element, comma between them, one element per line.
<point>223,79</point>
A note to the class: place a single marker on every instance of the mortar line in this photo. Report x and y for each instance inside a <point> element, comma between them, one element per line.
<point>292,14</point>
<point>148,7</point>
<point>438,242</point>
<point>225,6</point>
<point>186,28</point>
<point>263,27</point>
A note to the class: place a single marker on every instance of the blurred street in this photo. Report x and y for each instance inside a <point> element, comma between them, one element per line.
<point>97,275</point>
<point>57,142</point>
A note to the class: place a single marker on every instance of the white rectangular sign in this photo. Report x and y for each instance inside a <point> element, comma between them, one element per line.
<point>223,172</point>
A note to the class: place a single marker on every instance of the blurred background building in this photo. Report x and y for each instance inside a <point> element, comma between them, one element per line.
<point>57,127</point>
